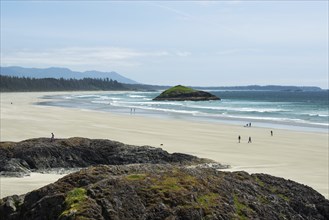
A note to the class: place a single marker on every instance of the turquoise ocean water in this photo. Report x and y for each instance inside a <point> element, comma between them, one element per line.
<point>278,109</point>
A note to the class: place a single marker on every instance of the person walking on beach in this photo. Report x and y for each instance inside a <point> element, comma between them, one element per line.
<point>239,138</point>
<point>52,137</point>
<point>271,133</point>
<point>249,140</point>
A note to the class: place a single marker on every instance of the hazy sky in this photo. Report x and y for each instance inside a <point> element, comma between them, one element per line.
<point>202,43</point>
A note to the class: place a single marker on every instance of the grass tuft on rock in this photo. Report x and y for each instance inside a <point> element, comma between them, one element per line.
<point>136,177</point>
<point>259,182</point>
<point>174,182</point>
<point>208,201</point>
<point>241,209</point>
<point>74,201</point>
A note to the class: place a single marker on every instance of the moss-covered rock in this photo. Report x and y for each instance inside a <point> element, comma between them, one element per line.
<point>154,191</point>
<point>74,200</point>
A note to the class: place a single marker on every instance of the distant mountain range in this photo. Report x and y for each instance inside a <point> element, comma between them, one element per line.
<point>57,73</point>
<point>264,88</point>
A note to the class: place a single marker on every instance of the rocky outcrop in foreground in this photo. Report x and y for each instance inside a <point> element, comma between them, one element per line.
<point>166,191</point>
<point>182,93</point>
<point>145,183</point>
<point>17,159</point>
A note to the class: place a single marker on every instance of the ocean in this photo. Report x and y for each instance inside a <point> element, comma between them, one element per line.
<point>273,109</point>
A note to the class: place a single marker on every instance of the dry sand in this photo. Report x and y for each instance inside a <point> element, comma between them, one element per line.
<point>299,156</point>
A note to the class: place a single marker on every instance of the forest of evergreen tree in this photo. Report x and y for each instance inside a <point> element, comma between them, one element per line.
<point>24,84</point>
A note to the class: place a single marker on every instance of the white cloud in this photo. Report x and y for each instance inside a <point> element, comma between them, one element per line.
<point>238,51</point>
<point>85,58</point>
<point>79,56</point>
<point>183,53</point>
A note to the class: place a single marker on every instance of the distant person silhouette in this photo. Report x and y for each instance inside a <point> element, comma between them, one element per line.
<point>271,133</point>
<point>52,137</point>
<point>249,140</point>
<point>239,138</point>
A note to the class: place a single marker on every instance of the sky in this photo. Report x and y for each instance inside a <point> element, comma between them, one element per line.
<point>193,43</point>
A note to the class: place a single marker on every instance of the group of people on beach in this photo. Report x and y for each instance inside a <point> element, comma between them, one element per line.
<point>239,137</point>
<point>249,139</point>
<point>248,124</point>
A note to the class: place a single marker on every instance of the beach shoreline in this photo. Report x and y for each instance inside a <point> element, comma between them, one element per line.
<point>297,155</point>
<point>126,102</point>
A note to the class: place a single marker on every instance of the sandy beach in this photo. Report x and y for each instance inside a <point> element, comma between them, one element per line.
<point>295,155</point>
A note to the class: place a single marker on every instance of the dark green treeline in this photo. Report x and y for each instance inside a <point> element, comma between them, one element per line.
<point>24,84</point>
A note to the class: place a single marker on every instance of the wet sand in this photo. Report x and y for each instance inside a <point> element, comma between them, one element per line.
<point>22,185</point>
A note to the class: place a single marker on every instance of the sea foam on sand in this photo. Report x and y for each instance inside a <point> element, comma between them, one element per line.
<point>21,185</point>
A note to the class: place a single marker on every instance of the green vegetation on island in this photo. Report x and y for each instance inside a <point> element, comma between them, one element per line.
<point>178,90</point>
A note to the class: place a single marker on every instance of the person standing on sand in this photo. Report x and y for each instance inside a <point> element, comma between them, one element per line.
<point>249,140</point>
<point>239,138</point>
<point>271,133</point>
<point>52,137</point>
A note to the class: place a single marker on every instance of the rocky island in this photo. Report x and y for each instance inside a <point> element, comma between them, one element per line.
<point>144,182</point>
<point>182,93</point>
